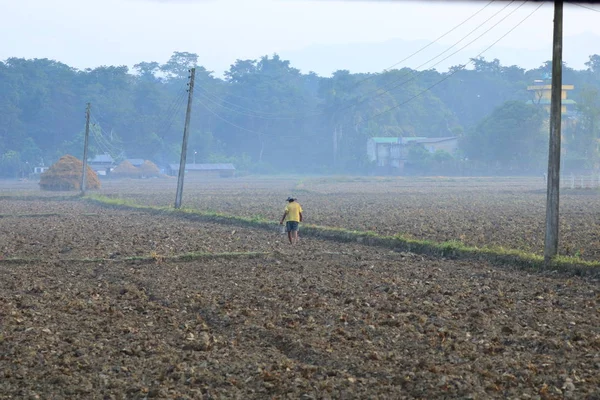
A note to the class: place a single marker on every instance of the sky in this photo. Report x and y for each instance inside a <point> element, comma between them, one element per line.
<point>91,33</point>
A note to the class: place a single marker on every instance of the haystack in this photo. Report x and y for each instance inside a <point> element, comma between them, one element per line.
<point>66,173</point>
<point>149,170</point>
<point>126,170</point>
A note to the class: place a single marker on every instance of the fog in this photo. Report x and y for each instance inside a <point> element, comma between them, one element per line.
<point>265,115</point>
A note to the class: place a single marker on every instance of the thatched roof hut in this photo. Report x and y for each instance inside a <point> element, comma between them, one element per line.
<point>66,174</point>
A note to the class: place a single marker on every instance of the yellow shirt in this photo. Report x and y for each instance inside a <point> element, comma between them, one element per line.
<point>293,211</point>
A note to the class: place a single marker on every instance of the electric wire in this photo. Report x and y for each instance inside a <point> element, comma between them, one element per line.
<point>105,142</point>
<point>367,97</point>
<point>251,113</point>
<point>415,75</point>
<point>226,120</point>
<point>256,113</point>
<point>428,45</point>
<point>278,116</point>
<point>584,6</point>
<point>456,70</point>
<point>233,124</point>
<point>167,123</point>
<point>102,142</point>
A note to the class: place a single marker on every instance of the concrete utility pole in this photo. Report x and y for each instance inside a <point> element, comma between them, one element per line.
<point>186,132</point>
<point>85,148</point>
<point>552,196</point>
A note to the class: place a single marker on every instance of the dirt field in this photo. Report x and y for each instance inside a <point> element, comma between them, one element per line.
<point>501,212</point>
<point>320,320</point>
<point>496,212</point>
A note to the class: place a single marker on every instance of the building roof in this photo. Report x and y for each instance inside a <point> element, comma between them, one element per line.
<point>406,140</point>
<point>435,140</point>
<point>98,167</point>
<point>384,139</point>
<point>204,167</point>
<point>395,140</point>
<point>102,158</point>
<point>136,162</point>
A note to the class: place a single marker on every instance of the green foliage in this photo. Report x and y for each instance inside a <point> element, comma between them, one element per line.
<point>511,138</point>
<point>419,158</point>
<point>581,136</point>
<point>266,116</point>
<point>10,164</point>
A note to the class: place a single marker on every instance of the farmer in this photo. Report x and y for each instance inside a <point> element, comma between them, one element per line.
<point>293,216</point>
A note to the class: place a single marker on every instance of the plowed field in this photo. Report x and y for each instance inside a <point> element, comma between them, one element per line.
<point>497,212</point>
<point>85,319</point>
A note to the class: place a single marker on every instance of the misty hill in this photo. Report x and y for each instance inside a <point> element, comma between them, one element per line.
<point>374,57</point>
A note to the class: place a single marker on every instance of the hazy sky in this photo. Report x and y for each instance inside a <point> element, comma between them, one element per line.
<point>89,33</point>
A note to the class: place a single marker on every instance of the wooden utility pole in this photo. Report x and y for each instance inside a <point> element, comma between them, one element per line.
<point>553,190</point>
<point>85,148</point>
<point>186,131</point>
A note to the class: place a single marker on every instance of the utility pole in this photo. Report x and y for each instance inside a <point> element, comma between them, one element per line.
<point>85,148</point>
<point>186,131</point>
<point>553,190</point>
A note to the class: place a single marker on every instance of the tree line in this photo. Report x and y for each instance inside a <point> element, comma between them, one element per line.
<point>266,116</point>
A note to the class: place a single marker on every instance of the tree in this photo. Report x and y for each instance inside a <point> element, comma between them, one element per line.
<point>511,138</point>
<point>10,164</point>
<point>263,110</point>
<point>179,65</point>
<point>147,70</point>
<point>593,64</point>
<point>582,138</point>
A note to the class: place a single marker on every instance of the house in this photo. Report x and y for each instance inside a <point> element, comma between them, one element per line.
<point>136,162</point>
<point>40,170</point>
<point>390,153</point>
<point>447,144</point>
<point>204,170</point>
<point>102,164</point>
<point>541,91</point>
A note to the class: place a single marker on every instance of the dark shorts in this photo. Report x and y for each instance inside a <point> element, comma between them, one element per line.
<point>291,226</point>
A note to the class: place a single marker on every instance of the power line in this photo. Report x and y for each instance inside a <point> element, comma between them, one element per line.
<point>107,144</point>
<point>317,113</point>
<point>380,93</point>
<point>430,44</point>
<point>255,114</point>
<point>459,69</point>
<point>225,120</point>
<point>163,125</point>
<point>275,116</point>
<point>584,6</point>
<point>103,143</point>
<point>172,109</point>
<point>167,123</point>
<point>251,113</point>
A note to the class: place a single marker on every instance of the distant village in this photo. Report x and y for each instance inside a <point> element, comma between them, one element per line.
<point>105,166</point>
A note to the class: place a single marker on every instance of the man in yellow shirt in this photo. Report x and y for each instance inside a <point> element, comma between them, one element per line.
<point>293,216</point>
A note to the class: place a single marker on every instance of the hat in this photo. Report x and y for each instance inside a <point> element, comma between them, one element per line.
<point>290,199</point>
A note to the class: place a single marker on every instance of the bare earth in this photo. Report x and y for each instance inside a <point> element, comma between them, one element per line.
<point>319,320</point>
<point>496,212</point>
